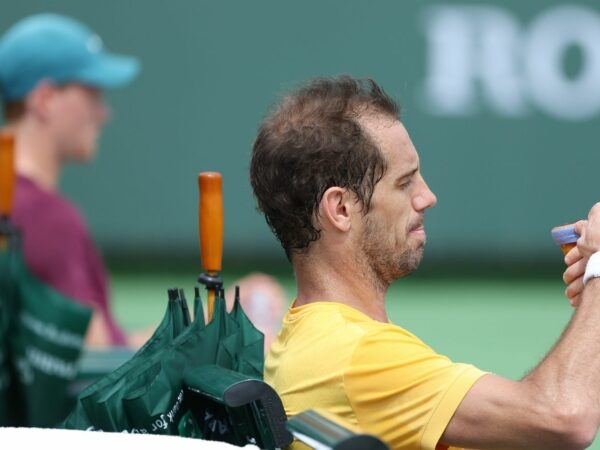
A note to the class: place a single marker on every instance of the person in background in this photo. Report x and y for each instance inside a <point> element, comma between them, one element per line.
<point>351,220</point>
<point>264,301</point>
<point>53,74</point>
<point>54,71</point>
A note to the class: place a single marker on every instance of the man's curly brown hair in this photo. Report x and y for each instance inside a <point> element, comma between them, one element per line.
<point>311,141</point>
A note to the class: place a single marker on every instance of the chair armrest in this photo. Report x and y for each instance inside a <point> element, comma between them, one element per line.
<point>236,408</point>
<point>324,431</point>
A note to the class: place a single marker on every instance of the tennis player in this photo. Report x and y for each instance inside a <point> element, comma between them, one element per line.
<point>339,181</point>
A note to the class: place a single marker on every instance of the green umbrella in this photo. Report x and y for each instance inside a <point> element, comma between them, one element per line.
<point>158,406</point>
<point>134,397</point>
<point>8,404</point>
<point>43,335</point>
<point>11,410</point>
<point>242,349</point>
<point>86,415</point>
<point>155,401</point>
<point>148,393</point>
<point>148,397</point>
<point>42,331</point>
<point>46,341</point>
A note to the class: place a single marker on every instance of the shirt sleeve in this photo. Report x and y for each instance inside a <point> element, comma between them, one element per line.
<point>402,390</point>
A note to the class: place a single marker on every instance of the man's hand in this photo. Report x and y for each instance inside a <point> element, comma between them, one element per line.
<point>573,275</point>
<point>576,260</point>
<point>589,230</point>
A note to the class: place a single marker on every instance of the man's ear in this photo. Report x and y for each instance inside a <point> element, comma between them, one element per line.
<point>336,208</point>
<point>38,100</point>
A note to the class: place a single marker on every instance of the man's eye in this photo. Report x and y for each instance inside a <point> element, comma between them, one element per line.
<point>406,184</point>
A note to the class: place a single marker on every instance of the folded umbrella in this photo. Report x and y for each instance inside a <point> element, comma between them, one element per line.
<point>46,340</point>
<point>242,349</point>
<point>43,331</point>
<point>87,414</point>
<point>147,397</point>
<point>8,236</point>
<point>148,393</point>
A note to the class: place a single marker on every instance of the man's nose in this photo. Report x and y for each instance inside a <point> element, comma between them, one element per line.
<point>425,197</point>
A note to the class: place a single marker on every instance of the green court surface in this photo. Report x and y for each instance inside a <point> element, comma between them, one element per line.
<point>501,324</point>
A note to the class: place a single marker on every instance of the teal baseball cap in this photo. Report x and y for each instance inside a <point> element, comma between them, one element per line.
<point>59,49</point>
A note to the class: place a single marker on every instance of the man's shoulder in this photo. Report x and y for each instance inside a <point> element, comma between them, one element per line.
<point>327,314</point>
<point>339,323</point>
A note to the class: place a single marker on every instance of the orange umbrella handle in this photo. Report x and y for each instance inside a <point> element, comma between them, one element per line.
<point>210,219</point>
<point>7,172</point>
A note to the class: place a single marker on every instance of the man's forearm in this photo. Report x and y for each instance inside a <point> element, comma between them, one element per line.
<point>569,375</point>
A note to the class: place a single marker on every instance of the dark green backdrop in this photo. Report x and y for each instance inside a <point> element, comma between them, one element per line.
<point>502,100</point>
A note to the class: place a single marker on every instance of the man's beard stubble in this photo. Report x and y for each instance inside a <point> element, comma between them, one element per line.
<point>380,257</point>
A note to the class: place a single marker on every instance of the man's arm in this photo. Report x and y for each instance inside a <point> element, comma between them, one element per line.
<point>556,406</point>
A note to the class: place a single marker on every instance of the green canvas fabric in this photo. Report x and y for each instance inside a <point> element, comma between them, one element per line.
<point>240,348</point>
<point>43,339</point>
<point>147,394</point>
<point>11,409</point>
<point>85,415</point>
<point>149,398</point>
<point>244,347</point>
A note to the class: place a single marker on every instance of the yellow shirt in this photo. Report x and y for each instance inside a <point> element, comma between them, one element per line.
<point>375,375</point>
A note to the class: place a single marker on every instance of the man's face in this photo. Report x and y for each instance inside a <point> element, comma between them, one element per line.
<point>78,115</point>
<point>393,235</point>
